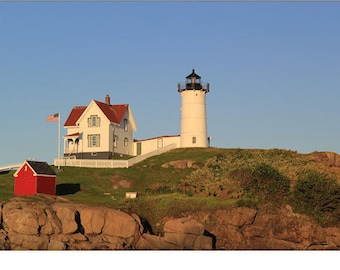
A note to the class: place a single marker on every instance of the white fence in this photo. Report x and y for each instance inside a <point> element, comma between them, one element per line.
<point>91,163</point>
<point>109,163</point>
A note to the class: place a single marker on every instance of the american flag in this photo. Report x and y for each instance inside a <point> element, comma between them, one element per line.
<point>53,118</point>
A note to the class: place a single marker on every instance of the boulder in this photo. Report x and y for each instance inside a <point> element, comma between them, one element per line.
<point>180,164</point>
<point>52,224</point>
<point>27,242</point>
<point>185,225</point>
<point>153,242</point>
<point>186,233</point>
<point>241,216</point>
<point>56,245</point>
<point>203,243</point>
<point>326,158</point>
<point>333,237</point>
<point>21,219</point>
<point>67,216</point>
<point>4,243</point>
<point>92,220</point>
<point>119,223</point>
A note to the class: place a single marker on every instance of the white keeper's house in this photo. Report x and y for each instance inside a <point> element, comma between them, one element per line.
<point>102,130</point>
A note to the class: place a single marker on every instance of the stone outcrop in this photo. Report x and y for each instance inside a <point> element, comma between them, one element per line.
<point>248,229</point>
<point>49,224</point>
<point>53,225</point>
<point>180,164</point>
<point>328,158</point>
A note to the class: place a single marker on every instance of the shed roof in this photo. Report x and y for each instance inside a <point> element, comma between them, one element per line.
<point>38,168</point>
<point>41,167</point>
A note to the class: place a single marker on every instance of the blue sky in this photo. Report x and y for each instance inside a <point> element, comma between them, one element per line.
<point>273,70</point>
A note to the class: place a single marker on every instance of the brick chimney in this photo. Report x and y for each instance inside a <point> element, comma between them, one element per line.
<point>107,100</point>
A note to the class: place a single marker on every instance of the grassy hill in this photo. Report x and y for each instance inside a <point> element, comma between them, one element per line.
<point>217,179</point>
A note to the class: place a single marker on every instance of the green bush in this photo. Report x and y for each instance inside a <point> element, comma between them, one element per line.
<point>316,195</point>
<point>263,182</point>
<point>270,183</point>
<point>211,181</point>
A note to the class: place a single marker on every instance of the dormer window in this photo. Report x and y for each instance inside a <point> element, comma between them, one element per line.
<point>94,121</point>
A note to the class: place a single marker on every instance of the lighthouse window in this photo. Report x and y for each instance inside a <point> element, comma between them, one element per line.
<point>126,141</point>
<point>193,140</point>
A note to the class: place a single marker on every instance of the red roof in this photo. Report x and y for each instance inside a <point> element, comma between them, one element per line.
<point>76,112</point>
<point>72,135</point>
<point>114,113</point>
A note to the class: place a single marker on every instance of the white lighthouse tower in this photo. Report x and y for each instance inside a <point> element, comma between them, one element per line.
<point>193,111</point>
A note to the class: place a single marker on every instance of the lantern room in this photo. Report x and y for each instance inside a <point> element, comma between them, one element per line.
<point>193,82</point>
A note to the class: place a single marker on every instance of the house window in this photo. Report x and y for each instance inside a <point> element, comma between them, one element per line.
<point>126,141</point>
<point>93,140</point>
<point>115,140</point>
<point>93,121</point>
<point>125,124</point>
<point>193,140</point>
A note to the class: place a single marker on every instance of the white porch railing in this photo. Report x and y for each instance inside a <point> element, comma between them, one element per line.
<point>109,163</point>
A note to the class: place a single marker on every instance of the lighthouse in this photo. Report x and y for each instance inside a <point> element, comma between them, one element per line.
<point>193,111</point>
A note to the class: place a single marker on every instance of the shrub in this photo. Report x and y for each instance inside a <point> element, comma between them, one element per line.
<point>263,182</point>
<point>211,181</point>
<point>316,195</point>
<point>269,182</point>
<point>218,179</point>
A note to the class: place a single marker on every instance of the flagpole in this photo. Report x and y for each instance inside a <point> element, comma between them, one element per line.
<point>59,141</point>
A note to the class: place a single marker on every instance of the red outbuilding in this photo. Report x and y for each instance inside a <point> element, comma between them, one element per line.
<point>34,177</point>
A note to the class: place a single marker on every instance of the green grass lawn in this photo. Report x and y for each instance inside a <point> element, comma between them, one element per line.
<point>107,187</point>
<point>148,174</point>
<point>6,185</point>
<point>95,183</point>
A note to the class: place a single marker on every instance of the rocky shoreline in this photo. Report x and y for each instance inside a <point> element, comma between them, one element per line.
<point>48,223</point>
<point>55,225</point>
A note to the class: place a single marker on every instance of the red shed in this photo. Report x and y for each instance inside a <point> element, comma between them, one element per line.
<point>34,177</point>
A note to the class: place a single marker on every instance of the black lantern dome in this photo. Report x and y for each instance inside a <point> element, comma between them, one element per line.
<point>193,82</point>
